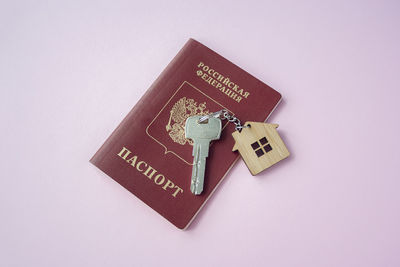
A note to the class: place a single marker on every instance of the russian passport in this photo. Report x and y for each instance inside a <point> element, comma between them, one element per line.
<point>148,153</point>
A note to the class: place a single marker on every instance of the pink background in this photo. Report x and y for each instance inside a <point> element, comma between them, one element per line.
<point>71,70</point>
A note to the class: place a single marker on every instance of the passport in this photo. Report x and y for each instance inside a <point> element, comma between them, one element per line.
<point>148,153</point>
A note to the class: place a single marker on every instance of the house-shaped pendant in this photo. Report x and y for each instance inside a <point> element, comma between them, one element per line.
<point>260,146</point>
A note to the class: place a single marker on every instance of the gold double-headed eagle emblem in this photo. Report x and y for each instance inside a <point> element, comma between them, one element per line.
<point>180,111</point>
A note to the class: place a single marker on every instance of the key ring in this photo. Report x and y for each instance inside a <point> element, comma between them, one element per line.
<point>225,115</point>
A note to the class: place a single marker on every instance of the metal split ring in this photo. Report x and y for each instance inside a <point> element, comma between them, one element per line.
<point>225,115</point>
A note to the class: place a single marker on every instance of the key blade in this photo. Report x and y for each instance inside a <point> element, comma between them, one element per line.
<point>197,183</point>
<point>200,153</point>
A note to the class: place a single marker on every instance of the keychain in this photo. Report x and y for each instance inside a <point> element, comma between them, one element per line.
<point>258,143</point>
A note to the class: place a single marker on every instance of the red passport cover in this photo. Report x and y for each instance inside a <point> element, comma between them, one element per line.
<point>148,153</point>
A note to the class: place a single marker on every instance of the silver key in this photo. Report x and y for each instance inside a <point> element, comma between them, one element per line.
<point>201,134</point>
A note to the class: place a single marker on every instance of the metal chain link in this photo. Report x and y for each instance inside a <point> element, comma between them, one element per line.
<point>225,115</point>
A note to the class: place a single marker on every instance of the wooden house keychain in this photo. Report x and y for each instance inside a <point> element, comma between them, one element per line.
<point>258,143</point>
